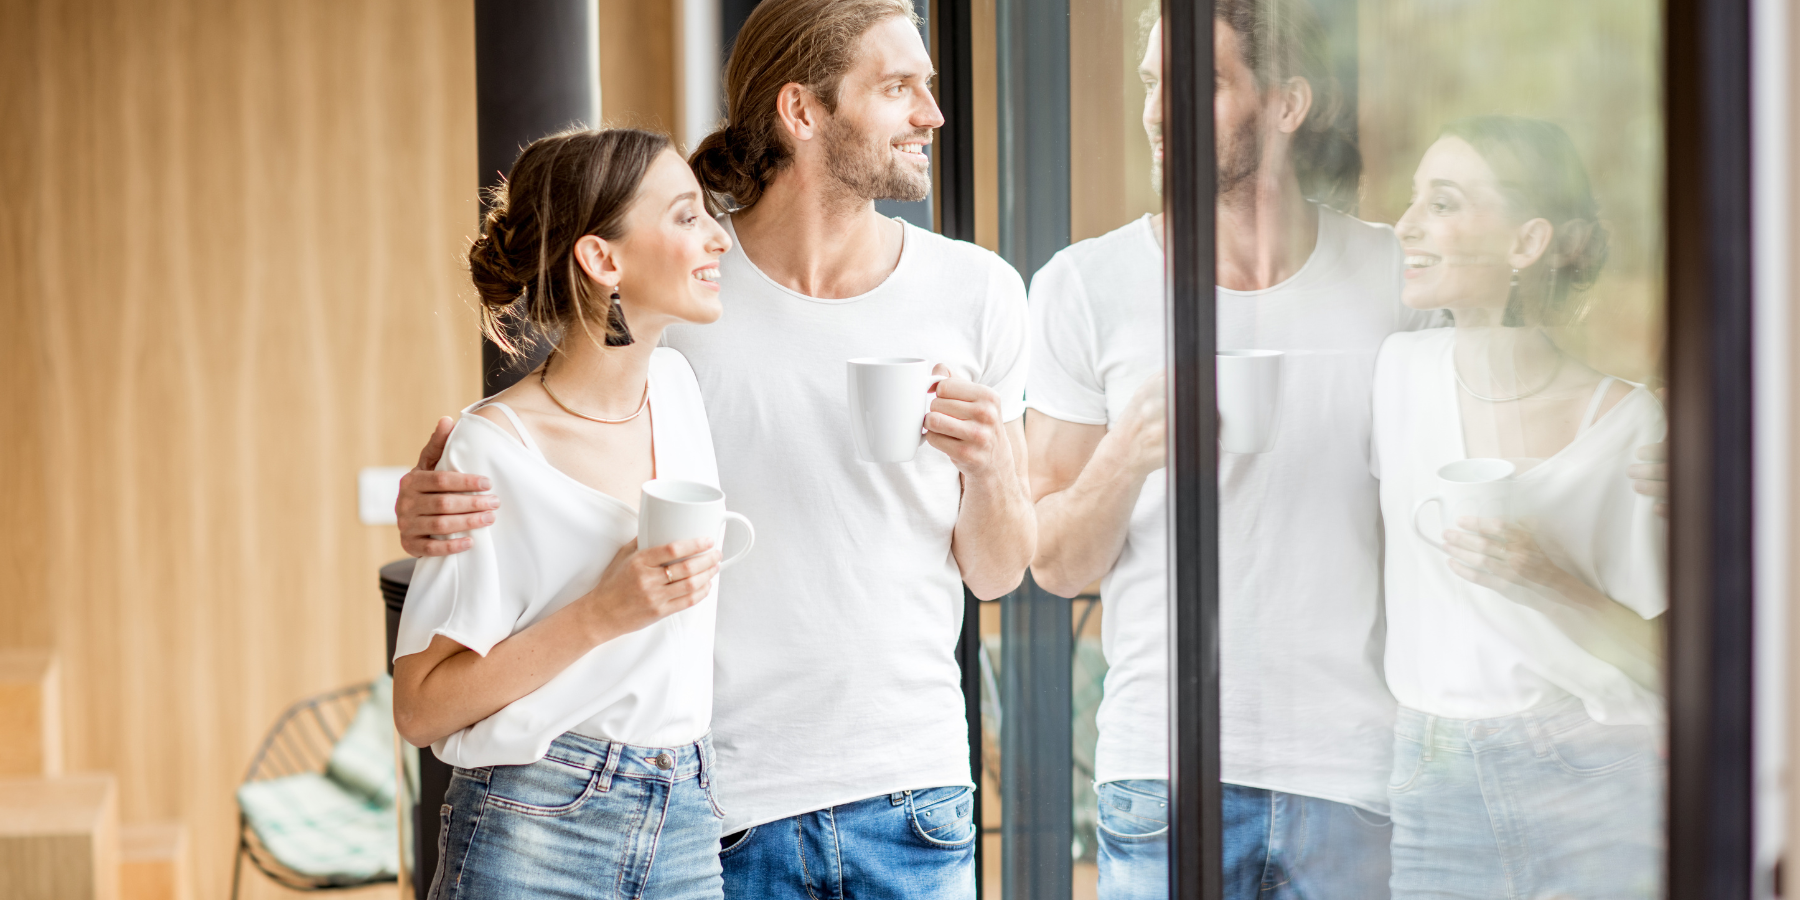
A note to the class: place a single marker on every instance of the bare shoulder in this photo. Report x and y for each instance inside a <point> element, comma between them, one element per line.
<point>522,398</point>
<point>1615,393</point>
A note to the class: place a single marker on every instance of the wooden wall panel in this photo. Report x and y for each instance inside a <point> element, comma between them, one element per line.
<point>229,263</point>
<point>638,74</point>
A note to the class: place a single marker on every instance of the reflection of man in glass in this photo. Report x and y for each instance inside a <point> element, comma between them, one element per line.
<point>1305,715</point>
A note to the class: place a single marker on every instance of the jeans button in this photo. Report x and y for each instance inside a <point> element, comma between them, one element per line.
<point>663,761</point>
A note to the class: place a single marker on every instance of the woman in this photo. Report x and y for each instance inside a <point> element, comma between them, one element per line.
<point>1522,648</point>
<point>564,671</point>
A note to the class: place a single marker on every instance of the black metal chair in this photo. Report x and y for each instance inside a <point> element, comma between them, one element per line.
<point>300,742</point>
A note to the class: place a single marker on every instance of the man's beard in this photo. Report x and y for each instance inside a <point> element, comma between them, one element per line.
<point>871,172</point>
<point>1240,155</point>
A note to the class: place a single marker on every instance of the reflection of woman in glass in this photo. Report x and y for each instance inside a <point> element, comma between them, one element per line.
<point>1522,649</point>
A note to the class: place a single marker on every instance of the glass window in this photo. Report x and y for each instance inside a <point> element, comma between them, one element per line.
<point>1439,257</point>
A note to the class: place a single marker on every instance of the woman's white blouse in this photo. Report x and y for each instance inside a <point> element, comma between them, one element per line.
<point>1460,650</point>
<point>551,539</point>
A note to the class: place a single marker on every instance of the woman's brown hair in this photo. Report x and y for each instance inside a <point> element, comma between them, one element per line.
<point>806,42</point>
<point>562,188</point>
<point>1542,176</point>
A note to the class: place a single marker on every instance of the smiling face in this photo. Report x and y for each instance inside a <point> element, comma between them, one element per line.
<point>874,144</point>
<point>1461,237</point>
<point>1150,72</point>
<point>666,267</point>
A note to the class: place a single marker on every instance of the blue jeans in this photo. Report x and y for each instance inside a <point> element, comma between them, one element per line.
<point>1544,803</point>
<point>909,845</point>
<point>1276,845</point>
<point>591,819</point>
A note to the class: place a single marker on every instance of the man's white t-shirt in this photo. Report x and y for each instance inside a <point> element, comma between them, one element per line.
<point>835,670</point>
<point>1304,709</point>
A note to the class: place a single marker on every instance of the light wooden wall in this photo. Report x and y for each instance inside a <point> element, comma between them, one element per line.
<point>229,239</point>
<point>638,64</point>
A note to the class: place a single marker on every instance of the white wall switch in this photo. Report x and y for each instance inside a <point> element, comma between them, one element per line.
<point>377,487</point>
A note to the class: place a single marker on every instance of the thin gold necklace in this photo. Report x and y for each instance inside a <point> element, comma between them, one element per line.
<point>544,380</point>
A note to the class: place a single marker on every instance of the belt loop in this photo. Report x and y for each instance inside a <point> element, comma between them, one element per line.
<point>700,752</point>
<point>1430,736</point>
<point>612,765</point>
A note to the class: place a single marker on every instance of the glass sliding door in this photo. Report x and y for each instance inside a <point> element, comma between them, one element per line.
<point>1460,614</point>
<point>1442,308</point>
<point>1076,713</point>
<point>1440,295</point>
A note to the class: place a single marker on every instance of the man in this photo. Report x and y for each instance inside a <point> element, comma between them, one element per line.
<point>1305,717</point>
<point>839,714</point>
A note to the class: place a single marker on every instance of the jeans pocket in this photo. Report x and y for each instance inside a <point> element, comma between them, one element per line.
<point>436,891</point>
<point>1592,749</point>
<point>1409,763</point>
<point>710,787</point>
<point>544,788</point>
<point>943,817</point>
<point>735,841</point>
<point>1132,813</point>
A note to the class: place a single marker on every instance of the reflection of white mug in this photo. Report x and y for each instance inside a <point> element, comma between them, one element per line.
<point>1249,388</point>
<point>889,397</point>
<point>671,510</point>
<point>1469,487</point>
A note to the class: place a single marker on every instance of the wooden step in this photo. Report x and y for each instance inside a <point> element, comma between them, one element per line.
<point>30,714</point>
<point>59,838</point>
<point>153,862</point>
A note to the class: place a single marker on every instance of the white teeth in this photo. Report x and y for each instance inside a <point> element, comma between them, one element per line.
<point>1420,262</point>
<point>915,149</point>
<point>710,275</point>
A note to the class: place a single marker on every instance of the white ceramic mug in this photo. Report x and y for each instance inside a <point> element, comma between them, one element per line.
<point>1249,389</point>
<point>889,397</point>
<point>1469,487</point>
<point>670,510</point>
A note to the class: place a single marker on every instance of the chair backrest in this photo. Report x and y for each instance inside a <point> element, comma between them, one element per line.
<point>301,740</point>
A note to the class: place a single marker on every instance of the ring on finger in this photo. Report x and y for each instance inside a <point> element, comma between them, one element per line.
<point>668,576</point>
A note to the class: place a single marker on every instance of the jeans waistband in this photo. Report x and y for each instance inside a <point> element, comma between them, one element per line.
<point>1533,724</point>
<point>694,759</point>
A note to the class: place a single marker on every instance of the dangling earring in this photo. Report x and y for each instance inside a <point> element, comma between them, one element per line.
<point>618,334</point>
<point>1515,307</point>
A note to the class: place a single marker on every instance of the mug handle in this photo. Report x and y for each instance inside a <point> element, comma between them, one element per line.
<point>930,388</point>
<point>732,518</point>
<point>1420,531</point>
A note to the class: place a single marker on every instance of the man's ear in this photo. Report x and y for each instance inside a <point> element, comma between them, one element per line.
<point>1296,98</point>
<point>598,260</point>
<point>799,110</point>
<point>1529,243</point>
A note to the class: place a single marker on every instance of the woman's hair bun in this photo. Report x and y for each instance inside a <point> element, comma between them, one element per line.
<point>496,277</point>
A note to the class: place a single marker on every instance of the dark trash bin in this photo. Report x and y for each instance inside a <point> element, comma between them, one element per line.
<point>434,775</point>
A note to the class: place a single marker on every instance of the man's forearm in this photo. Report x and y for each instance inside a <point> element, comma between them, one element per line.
<point>1082,528</point>
<point>995,534</point>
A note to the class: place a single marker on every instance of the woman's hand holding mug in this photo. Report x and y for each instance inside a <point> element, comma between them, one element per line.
<point>642,587</point>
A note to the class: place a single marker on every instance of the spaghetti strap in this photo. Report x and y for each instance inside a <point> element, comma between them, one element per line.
<point>518,426</point>
<point>1593,407</point>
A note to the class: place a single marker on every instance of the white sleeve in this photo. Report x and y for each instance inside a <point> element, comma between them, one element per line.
<point>1065,377</point>
<point>1006,354</point>
<point>1633,536</point>
<point>459,596</point>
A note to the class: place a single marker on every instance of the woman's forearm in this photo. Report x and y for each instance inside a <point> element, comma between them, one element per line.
<point>448,687</point>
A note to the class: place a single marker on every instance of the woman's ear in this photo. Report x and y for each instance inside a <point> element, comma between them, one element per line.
<point>798,111</point>
<point>597,260</point>
<point>1530,243</point>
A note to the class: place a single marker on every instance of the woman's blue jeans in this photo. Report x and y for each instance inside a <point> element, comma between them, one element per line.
<point>1545,803</point>
<point>590,820</point>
